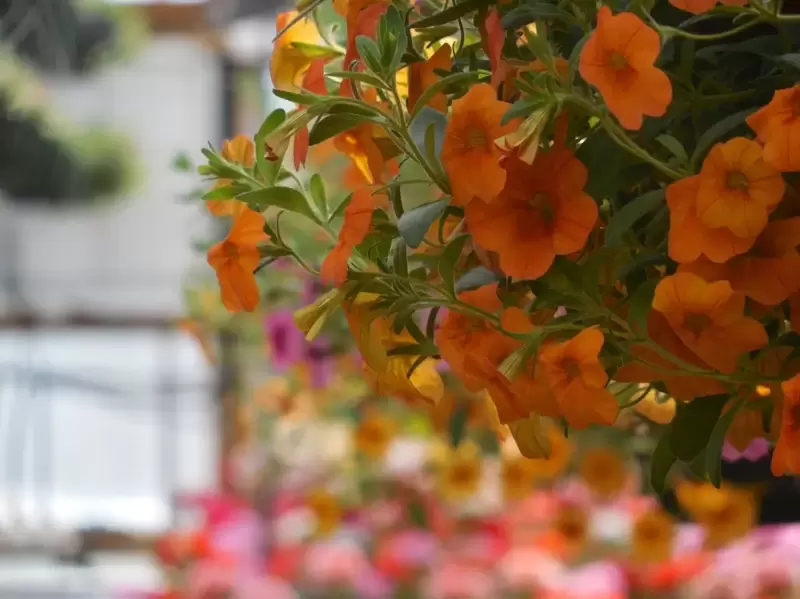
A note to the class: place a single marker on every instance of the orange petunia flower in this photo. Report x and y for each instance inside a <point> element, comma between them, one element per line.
<point>422,75</point>
<point>619,60</point>
<point>738,190</point>
<point>701,6</point>
<point>578,380</point>
<point>656,367</point>
<point>463,335</point>
<point>357,221</point>
<point>689,237</point>
<point>236,257</point>
<point>469,153</point>
<point>240,150</point>
<point>777,126</point>
<point>288,63</point>
<point>709,319</point>
<point>362,19</point>
<point>769,273</point>
<point>786,458</point>
<point>542,212</point>
<point>360,146</point>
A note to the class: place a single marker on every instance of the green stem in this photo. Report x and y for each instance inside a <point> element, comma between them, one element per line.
<point>711,36</point>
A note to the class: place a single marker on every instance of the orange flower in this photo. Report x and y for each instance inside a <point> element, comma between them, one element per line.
<point>769,273</point>
<point>463,335</point>
<point>541,212</point>
<point>288,63</point>
<point>236,257</point>
<point>786,458</point>
<point>422,75</point>
<point>657,367</point>
<point>777,126</point>
<point>738,190</point>
<point>360,146</point>
<point>701,6</point>
<point>357,221</point>
<point>709,319</point>
<point>618,59</point>
<point>492,38</point>
<point>689,237</point>
<point>578,380</point>
<point>362,19</point>
<point>240,150</point>
<point>469,153</point>
<point>313,81</point>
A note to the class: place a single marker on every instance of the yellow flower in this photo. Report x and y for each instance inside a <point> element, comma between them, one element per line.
<point>288,63</point>
<point>389,374</point>
<point>551,467</point>
<point>726,513</point>
<point>653,533</point>
<point>460,476</point>
<point>531,435</point>
<point>326,509</point>
<point>373,435</point>
<point>311,318</point>
<point>517,475</point>
<point>603,471</point>
<point>655,410</point>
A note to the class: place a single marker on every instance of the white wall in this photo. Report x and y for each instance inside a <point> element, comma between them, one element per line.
<point>133,256</point>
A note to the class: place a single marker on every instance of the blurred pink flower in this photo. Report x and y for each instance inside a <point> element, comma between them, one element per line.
<point>531,514</point>
<point>210,576</point>
<point>758,449</point>
<point>527,568</point>
<point>599,580</point>
<point>454,580</point>
<point>335,563</point>
<point>264,587</point>
<point>285,340</point>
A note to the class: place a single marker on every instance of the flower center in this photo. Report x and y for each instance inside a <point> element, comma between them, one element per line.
<point>737,180</point>
<point>696,323</point>
<point>476,138</point>
<point>230,250</point>
<point>571,368</point>
<point>461,474</point>
<point>541,203</point>
<point>617,61</point>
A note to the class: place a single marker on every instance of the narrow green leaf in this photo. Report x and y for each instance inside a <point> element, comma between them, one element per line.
<point>575,57</point>
<point>641,304</point>
<point>661,463</point>
<point>717,440</point>
<point>361,76</point>
<point>339,210</point>
<point>399,256</point>
<point>369,52</point>
<point>717,132</point>
<point>284,198</point>
<point>529,13</point>
<point>304,99</point>
<point>623,220</point>
<point>448,261</point>
<point>694,421</point>
<point>414,224</point>
<point>451,14</point>
<point>266,168</point>
<point>317,189</point>
<point>674,147</point>
<point>315,51</point>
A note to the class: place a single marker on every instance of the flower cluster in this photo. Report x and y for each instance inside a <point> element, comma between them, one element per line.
<point>569,206</point>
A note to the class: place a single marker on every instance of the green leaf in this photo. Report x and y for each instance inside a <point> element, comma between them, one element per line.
<point>317,189</point>
<point>575,57</point>
<point>604,163</point>
<point>448,261</point>
<point>332,125</point>
<point>399,256</point>
<point>661,463</point>
<point>304,99</point>
<point>694,421</point>
<point>417,515</point>
<point>361,76</point>
<point>428,119</point>
<point>716,441</point>
<point>624,219</point>
<point>451,14</point>
<point>284,198</point>
<point>339,210</point>
<point>392,39</point>
<point>369,52</point>
<point>458,423</point>
<point>791,59</point>
<point>266,168</point>
<point>315,51</point>
<point>716,132</point>
<point>414,224</point>
<point>641,261</point>
<point>674,147</point>
<point>477,277</point>
<point>529,13</point>
<point>273,121</point>
<point>640,306</point>
<point>443,83</point>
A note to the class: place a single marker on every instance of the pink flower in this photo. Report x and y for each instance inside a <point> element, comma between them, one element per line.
<point>527,568</point>
<point>335,563</point>
<point>454,580</point>
<point>753,452</point>
<point>264,587</point>
<point>599,580</point>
